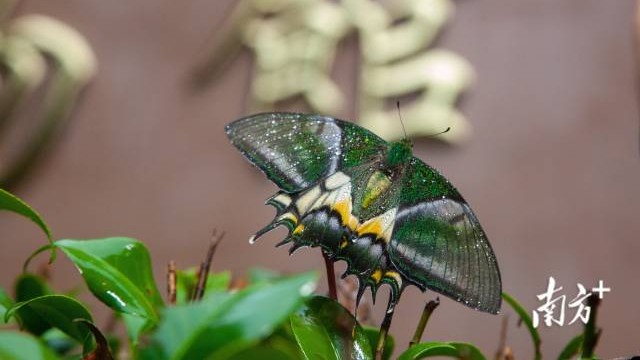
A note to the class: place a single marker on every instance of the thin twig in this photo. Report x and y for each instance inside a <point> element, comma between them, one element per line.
<point>192,290</point>
<point>44,271</point>
<point>171,282</point>
<point>508,353</point>
<point>501,353</point>
<point>591,332</point>
<point>384,328</point>
<point>636,49</point>
<point>422,324</point>
<point>203,274</point>
<point>331,276</point>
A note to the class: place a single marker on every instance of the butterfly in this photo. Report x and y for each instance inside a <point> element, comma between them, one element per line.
<point>392,218</point>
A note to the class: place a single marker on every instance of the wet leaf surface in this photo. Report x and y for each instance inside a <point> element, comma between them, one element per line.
<point>118,272</point>
<point>325,330</point>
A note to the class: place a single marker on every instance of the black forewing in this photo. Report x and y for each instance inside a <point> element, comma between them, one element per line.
<point>296,150</point>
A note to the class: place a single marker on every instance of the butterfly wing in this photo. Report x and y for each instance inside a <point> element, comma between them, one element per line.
<point>438,243</point>
<point>295,151</point>
<point>318,162</point>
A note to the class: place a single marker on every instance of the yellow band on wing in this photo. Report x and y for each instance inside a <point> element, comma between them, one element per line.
<point>298,229</point>
<point>377,275</point>
<point>378,183</point>
<point>343,207</point>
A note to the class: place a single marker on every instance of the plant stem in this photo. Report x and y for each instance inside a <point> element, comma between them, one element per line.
<point>384,328</point>
<point>426,314</point>
<point>203,274</point>
<point>501,353</point>
<point>591,332</point>
<point>331,277</point>
<point>171,282</point>
<point>101,351</point>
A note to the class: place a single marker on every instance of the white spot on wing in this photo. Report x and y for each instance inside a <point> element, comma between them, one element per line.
<point>332,136</point>
<point>344,192</point>
<point>388,220</point>
<point>305,201</point>
<point>320,201</point>
<point>336,195</point>
<point>336,180</point>
<point>282,199</point>
<point>282,163</point>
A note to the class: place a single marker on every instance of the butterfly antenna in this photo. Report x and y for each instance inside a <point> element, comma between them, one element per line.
<point>404,131</point>
<point>441,132</point>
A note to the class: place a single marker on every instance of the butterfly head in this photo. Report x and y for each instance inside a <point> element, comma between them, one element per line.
<point>400,152</point>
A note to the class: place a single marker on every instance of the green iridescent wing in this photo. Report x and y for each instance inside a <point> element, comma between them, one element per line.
<point>393,224</point>
<point>438,243</point>
<point>295,150</point>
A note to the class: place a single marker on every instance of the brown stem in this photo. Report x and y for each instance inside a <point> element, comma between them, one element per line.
<point>384,328</point>
<point>331,277</point>
<point>636,49</point>
<point>501,353</point>
<point>171,282</point>
<point>203,273</point>
<point>591,332</point>
<point>422,324</point>
<point>101,351</point>
<point>508,353</point>
<point>193,291</point>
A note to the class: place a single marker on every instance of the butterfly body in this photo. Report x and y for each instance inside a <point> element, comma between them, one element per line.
<point>393,219</point>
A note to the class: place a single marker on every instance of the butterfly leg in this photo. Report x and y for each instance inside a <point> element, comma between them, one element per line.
<point>384,328</point>
<point>331,276</point>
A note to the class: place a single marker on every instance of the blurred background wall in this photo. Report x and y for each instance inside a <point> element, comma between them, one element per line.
<point>551,168</point>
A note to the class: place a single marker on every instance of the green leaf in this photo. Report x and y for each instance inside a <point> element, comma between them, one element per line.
<point>572,348</point>
<point>183,326</point>
<point>451,349</point>
<point>14,204</point>
<point>325,330</point>
<point>5,302</point>
<point>427,349</point>
<point>262,352</point>
<point>283,340</point>
<point>118,272</point>
<point>223,324</point>
<point>57,311</point>
<point>187,281</point>
<point>467,351</point>
<point>258,275</point>
<point>372,334</point>
<point>526,319</point>
<point>136,326</point>
<point>58,341</point>
<point>20,346</point>
<point>115,344</point>
<point>27,287</point>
